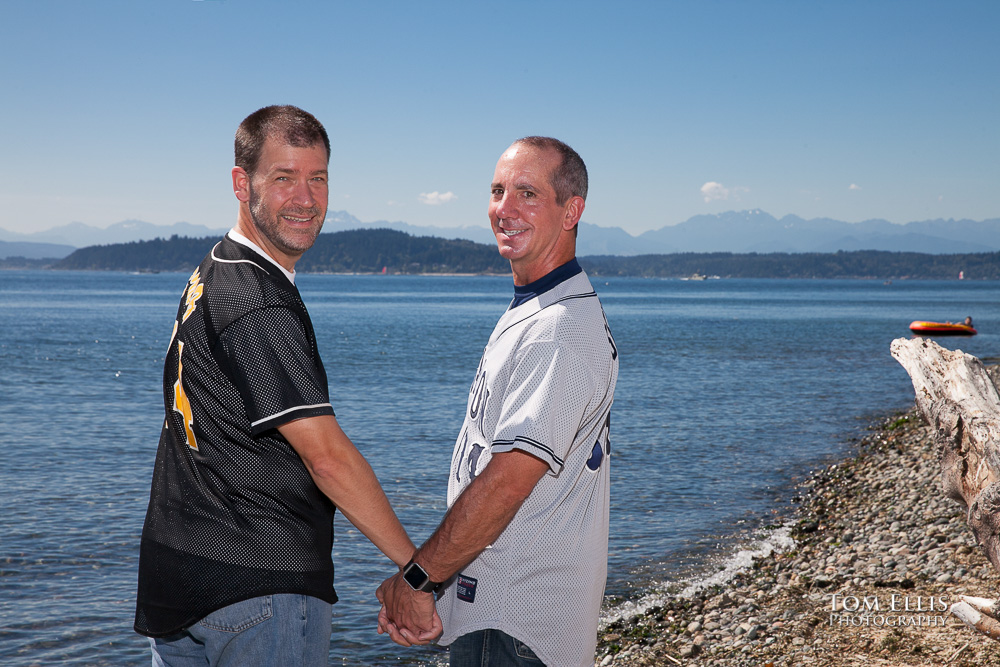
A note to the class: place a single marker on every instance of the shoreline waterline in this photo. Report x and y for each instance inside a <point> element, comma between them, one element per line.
<point>876,554</point>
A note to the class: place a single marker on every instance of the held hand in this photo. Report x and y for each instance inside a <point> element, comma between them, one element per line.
<point>386,626</point>
<point>407,615</point>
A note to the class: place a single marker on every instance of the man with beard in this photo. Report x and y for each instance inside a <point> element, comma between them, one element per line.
<point>235,561</point>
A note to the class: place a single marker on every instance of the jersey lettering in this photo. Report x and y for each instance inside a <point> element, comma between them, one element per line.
<point>474,455</point>
<point>459,454</point>
<point>475,451</point>
<point>478,396</point>
<point>597,453</point>
<point>181,403</point>
<point>468,456</point>
<point>173,334</point>
<point>611,339</point>
<point>195,290</point>
<point>607,432</point>
<point>596,456</point>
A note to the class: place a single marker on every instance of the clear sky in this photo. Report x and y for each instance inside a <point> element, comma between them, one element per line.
<point>847,110</point>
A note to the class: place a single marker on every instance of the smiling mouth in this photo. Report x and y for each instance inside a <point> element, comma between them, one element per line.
<point>297,219</point>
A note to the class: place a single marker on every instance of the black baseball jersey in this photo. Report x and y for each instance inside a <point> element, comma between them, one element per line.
<point>233,512</point>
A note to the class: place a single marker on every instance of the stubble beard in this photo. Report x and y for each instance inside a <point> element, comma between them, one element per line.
<point>269,224</point>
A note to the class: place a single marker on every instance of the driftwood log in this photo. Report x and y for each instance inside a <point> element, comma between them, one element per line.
<point>958,397</point>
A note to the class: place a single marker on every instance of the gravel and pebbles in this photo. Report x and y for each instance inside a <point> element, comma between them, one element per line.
<point>877,557</point>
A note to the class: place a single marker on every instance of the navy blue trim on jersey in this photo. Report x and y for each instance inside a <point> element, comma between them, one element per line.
<point>553,278</point>
<point>531,444</point>
<point>588,295</point>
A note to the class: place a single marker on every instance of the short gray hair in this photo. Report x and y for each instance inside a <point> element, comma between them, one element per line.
<point>569,179</point>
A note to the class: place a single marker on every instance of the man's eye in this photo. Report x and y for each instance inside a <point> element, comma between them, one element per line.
<point>528,194</point>
<point>497,192</point>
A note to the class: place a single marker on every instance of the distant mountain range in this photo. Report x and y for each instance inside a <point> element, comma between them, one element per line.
<point>753,231</point>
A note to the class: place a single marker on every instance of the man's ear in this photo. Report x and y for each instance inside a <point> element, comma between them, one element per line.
<point>241,184</point>
<point>574,211</point>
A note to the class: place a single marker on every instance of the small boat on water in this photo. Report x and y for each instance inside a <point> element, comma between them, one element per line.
<point>941,329</point>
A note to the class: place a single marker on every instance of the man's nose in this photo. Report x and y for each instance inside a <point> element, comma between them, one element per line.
<point>303,194</point>
<point>504,207</point>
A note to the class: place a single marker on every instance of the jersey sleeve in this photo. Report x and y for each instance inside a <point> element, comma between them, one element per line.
<point>547,395</point>
<point>279,376</point>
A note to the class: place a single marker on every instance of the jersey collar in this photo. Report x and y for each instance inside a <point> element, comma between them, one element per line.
<point>523,293</point>
<point>242,240</point>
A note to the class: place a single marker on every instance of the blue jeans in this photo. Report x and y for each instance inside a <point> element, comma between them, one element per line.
<point>272,630</point>
<point>490,648</point>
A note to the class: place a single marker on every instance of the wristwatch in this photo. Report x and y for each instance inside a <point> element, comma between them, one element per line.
<point>418,579</point>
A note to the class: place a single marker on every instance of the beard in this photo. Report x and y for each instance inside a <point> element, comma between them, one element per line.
<point>290,240</point>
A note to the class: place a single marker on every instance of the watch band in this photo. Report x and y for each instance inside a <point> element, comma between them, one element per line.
<point>418,579</point>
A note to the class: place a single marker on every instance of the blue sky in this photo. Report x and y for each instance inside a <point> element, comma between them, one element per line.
<point>848,110</point>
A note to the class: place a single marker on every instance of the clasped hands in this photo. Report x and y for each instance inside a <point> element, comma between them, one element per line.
<point>408,616</point>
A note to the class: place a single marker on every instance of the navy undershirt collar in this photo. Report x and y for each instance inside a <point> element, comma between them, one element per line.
<point>551,279</point>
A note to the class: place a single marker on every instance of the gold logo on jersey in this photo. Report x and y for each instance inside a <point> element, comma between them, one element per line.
<point>181,402</point>
<point>195,290</point>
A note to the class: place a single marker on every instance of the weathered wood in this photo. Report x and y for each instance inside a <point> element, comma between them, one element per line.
<point>977,618</point>
<point>956,396</point>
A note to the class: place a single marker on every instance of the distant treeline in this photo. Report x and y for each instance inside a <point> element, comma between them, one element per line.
<point>371,251</point>
<point>358,251</point>
<point>842,264</point>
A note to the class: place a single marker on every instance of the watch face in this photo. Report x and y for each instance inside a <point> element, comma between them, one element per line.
<point>415,576</point>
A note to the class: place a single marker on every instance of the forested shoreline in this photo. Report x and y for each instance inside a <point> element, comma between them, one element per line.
<point>393,252</point>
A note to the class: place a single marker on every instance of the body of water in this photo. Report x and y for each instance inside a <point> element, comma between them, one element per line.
<point>730,392</point>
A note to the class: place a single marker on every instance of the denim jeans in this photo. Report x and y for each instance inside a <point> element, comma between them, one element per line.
<point>490,648</point>
<point>272,630</point>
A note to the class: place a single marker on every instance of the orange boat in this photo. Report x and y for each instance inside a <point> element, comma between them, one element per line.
<point>941,329</point>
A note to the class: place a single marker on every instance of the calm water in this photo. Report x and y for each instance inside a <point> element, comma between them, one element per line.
<point>730,391</point>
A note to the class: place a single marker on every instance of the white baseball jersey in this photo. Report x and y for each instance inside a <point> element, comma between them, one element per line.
<point>545,385</point>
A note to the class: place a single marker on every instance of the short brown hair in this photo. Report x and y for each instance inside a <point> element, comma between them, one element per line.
<point>293,125</point>
<point>569,179</point>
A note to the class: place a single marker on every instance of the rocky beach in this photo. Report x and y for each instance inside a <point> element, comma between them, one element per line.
<point>876,555</point>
